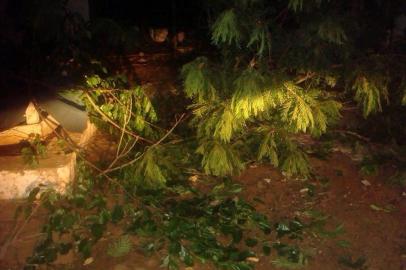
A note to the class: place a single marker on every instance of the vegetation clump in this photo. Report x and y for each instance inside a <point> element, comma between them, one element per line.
<point>280,72</point>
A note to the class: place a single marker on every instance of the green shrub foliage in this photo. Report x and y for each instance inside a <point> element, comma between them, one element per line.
<point>281,72</point>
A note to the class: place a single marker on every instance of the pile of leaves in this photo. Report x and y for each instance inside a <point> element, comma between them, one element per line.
<point>180,222</point>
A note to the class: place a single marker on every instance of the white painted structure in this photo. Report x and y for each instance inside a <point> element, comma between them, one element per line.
<point>56,170</point>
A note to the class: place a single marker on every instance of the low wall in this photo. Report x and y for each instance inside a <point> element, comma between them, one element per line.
<point>57,170</point>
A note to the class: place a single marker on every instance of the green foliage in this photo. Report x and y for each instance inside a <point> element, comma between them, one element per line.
<point>218,121</point>
<point>226,29</point>
<point>260,40</point>
<point>318,225</point>
<point>35,150</point>
<point>297,109</point>
<point>219,159</point>
<point>198,80</point>
<point>295,162</point>
<point>255,97</point>
<point>121,247</point>
<point>249,98</point>
<point>268,148</point>
<point>205,227</point>
<point>152,169</point>
<point>368,93</point>
<point>244,92</point>
<point>29,157</point>
<point>129,108</point>
<point>370,166</point>
<point>290,257</point>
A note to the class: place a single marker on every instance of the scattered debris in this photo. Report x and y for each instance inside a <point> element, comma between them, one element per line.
<point>268,180</point>
<point>193,178</point>
<point>387,209</point>
<point>304,190</point>
<point>252,259</point>
<point>365,183</point>
<point>88,261</point>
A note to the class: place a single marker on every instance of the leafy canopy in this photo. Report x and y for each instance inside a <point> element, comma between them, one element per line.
<point>281,72</point>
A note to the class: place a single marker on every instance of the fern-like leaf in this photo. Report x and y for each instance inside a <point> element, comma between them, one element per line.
<point>368,93</point>
<point>268,148</point>
<point>218,121</point>
<point>220,159</point>
<point>226,29</point>
<point>260,39</point>
<point>121,247</point>
<point>250,98</point>
<point>198,80</point>
<point>297,107</point>
<point>325,112</point>
<point>295,161</point>
<point>227,125</point>
<point>151,169</point>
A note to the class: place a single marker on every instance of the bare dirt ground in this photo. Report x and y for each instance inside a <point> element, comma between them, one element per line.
<point>372,219</point>
<point>378,236</point>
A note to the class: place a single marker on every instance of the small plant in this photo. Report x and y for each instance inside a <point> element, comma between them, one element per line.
<point>369,166</point>
<point>290,257</point>
<point>120,247</point>
<point>36,149</point>
<point>318,225</point>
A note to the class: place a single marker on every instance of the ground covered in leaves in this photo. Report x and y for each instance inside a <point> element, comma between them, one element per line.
<point>350,221</point>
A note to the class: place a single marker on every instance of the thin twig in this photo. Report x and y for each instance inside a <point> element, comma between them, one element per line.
<point>133,114</point>
<point>309,75</point>
<point>16,232</point>
<point>352,133</point>
<point>126,121</point>
<point>123,154</point>
<point>155,144</point>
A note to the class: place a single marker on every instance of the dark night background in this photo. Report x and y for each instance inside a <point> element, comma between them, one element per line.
<point>26,54</point>
<point>155,13</point>
<point>36,43</point>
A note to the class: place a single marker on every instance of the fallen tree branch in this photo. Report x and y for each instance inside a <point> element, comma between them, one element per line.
<point>109,120</point>
<point>352,133</point>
